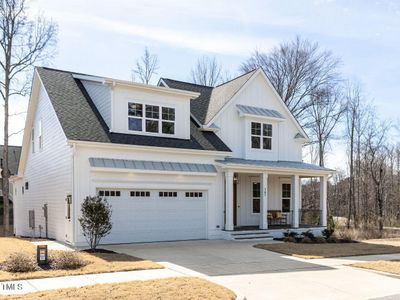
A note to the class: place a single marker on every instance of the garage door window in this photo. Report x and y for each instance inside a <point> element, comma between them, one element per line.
<point>193,194</point>
<point>168,194</point>
<point>140,194</point>
<point>109,193</point>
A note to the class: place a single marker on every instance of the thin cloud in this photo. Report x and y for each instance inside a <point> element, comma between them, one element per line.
<point>216,42</point>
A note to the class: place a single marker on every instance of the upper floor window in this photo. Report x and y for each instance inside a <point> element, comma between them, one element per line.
<point>156,119</point>
<point>135,113</point>
<point>261,136</point>
<point>40,135</point>
<point>33,140</point>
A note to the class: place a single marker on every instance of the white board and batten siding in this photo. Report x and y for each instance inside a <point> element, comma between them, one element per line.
<point>258,94</point>
<point>48,173</point>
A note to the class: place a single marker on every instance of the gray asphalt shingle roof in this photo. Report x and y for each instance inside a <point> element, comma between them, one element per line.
<point>211,99</point>
<point>81,120</point>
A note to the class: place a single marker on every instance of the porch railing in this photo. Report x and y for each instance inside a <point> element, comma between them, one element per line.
<point>307,218</point>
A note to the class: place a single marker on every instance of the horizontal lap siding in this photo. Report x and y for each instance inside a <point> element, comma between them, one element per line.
<point>101,97</point>
<point>49,173</point>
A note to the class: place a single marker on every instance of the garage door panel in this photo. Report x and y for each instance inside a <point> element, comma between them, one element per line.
<point>154,218</point>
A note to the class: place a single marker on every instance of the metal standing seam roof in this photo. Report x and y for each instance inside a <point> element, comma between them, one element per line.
<point>259,111</point>
<point>273,164</point>
<point>151,165</point>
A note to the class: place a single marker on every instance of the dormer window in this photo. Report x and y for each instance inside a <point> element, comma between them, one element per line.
<point>156,119</point>
<point>135,113</point>
<point>168,120</point>
<point>261,136</point>
<point>152,118</point>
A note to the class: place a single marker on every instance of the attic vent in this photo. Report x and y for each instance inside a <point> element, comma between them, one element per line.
<point>32,219</point>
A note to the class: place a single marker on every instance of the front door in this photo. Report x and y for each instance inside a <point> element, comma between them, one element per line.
<point>249,196</point>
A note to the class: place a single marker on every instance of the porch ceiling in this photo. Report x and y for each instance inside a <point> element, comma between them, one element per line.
<point>279,166</point>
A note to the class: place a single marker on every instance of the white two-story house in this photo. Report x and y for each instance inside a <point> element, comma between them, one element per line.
<point>176,161</point>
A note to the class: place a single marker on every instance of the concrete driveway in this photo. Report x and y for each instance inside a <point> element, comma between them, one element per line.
<point>260,274</point>
<point>215,258</point>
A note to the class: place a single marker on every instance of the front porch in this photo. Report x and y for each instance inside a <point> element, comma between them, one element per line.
<point>259,197</point>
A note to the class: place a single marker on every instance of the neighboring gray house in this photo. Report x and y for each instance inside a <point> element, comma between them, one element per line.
<point>14,153</point>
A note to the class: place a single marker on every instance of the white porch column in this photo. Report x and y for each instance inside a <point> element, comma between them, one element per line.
<point>264,200</point>
<point>228,200</point>
<point>300,195</point>
<point>323,195</point>
<point>295,200</point>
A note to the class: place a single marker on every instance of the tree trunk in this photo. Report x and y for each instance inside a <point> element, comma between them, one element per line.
<point>5,172</point>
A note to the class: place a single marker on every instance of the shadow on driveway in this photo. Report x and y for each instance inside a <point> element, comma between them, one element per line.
<point>216,257</point>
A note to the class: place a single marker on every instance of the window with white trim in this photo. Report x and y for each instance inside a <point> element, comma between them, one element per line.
<point>135,115</point>
<point>261,136</point>
<point>286,196</point>
<point>40,135</point>
<point>33,140</point>
<point>256,197</point>
<point>155,119</point>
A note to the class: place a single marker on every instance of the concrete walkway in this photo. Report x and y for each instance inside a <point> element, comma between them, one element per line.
<point>43,284</point>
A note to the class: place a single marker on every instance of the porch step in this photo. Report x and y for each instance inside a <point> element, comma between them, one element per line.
<point>251,235</point>
<point>254,238</point>
<point>249,232</point>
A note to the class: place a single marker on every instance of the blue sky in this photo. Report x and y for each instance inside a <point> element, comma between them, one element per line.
<point>106,37</point>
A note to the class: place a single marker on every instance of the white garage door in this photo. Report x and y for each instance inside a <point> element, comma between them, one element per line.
<point>141,215</point>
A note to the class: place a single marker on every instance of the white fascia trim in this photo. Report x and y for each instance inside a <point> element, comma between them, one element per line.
<point>150,148</point>
<point>137,85</point>
<point>285,171</point>
<point>123,170</point>
<point>154,88</point>
<point>210,129</point>
<point>302,140</point>
<point>14,178</point>
<point>89,78</point>
<point>163,82</point>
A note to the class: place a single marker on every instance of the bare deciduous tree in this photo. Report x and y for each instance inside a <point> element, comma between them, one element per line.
<point>357,119</point>
<point>24,42</point>
<point>325,112</point>
<point>297,70</point>
<point>146,66</point>
<point>377,154</point>
<point>208,71</point>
